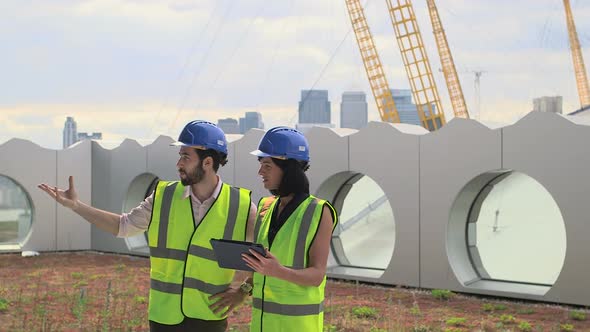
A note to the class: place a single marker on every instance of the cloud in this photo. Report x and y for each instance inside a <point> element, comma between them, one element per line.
<point>155,64</point>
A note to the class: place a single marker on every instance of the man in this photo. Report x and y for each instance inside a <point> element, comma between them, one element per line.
<point>188,289</point>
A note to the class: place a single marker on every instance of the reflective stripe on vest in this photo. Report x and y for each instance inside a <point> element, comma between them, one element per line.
<point>288,309</point>
<point>203,286</point>
<point>299,257</point>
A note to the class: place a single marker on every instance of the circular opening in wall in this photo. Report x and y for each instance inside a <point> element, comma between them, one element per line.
<point>15,212</point>
<point>506,230</point>
<point>140,188</point>
<point>364,239</point>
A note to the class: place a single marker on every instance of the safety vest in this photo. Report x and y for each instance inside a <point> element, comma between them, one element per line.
<point>279,305</point>
<point>184,271</point>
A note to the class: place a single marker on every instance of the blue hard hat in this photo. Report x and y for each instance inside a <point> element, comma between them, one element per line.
<point>202,135</point>
<point>283,143</point>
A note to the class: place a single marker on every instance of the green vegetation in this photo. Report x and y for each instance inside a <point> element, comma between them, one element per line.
<point>500,306</point>
<point>3,304</point>
<point>456,321</point>
<point>113,296</point>
<point>577,315</point>
<point>330,328</point>
<point>525,311</point>
<point>415,310</point>
<point>566,327</point>
<point>81,283</point>
<point>442,294</point>
<point>364,312</point>
<point>490,307</point>
<point>525,326</point>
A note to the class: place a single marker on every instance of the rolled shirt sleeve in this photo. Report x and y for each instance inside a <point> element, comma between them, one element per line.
<point>137,220</point>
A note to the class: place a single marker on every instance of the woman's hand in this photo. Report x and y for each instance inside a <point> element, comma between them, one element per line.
<point>268,266</point>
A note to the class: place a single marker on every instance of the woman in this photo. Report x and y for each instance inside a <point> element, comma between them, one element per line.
<point>295,228</point>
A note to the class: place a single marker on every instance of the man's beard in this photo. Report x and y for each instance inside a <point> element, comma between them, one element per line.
<point>194,177</point>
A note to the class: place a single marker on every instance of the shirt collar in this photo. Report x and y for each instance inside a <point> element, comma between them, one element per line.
<point>188,192</point>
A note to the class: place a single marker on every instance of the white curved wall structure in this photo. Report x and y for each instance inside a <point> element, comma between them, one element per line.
<point>467,208</point>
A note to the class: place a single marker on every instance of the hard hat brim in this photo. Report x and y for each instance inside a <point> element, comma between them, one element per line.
<point>259,153</point>
<point>200,147</point>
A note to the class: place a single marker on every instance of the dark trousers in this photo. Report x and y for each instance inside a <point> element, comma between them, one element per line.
<point>191,324</point>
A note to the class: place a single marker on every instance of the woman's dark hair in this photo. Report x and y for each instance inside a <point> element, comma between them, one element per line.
<point>294,180</point>
<point>218,157</point>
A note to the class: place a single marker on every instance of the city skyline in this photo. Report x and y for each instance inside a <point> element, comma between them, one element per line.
<point>71,135</point>
<point>218,59</point>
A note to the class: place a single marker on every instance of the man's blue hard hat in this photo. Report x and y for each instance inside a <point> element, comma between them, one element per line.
<point>283,143</point>
<point>202,135</point>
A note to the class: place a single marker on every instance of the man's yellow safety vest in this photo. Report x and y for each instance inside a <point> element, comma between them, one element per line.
<point>184,271</point>
<point>279,305</point>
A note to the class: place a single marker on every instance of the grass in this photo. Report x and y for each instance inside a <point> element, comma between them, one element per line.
<point>110,293</point>
<point>441,294</point>
<point>577,315</point>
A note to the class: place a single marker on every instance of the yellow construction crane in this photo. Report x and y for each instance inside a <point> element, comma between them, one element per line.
<point>375,73</point>
<point>579,67</point>
<point>447,63</point>
<point>416,63</point>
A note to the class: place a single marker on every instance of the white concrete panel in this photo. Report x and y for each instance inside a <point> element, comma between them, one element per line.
<point>73,232</point>
<point>390,157</point>
<point>328,151</point>
<point>246,165</point>
<point>449,158</point>
<point>553,150</point>
<point>28,165</point>
<point>112,175</point>
<point>328,158</point>
<point>162,158</point>
<point>127,162</point>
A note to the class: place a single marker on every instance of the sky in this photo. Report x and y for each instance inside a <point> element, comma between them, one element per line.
<point>142,68</point>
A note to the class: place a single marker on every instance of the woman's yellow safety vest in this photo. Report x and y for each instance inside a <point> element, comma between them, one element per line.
<point>184,271</point>
<point>279,305</point>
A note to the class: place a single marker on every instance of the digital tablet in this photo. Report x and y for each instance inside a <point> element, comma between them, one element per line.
<point>229,253</point>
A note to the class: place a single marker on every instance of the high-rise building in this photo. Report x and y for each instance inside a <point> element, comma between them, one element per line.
<point>408,112</point>
<point>353,110</point>
<point>251,120</point>
<point>314,107</point>
<point>548,104</point>
<point>70,132</point>
<point>229,125</point>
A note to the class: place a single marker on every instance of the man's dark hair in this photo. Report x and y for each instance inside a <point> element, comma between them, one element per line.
<point>218,157</point>
<point>294,180</point>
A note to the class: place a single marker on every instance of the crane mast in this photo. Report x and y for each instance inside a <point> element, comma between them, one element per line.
<point>447,63</point>
<point>416,62</point>
<point>579,67</point>
<point>372,63</point>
